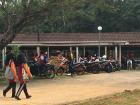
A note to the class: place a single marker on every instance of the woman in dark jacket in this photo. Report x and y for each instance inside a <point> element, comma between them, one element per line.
<point>22,68</point>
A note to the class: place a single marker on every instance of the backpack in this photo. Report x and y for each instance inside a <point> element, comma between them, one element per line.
<point>8,73</point>
<point>25,76</point>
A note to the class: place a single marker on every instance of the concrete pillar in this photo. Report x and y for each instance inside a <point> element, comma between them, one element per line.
<point>84,51</point>
<point>5,49</point>
<point>70,49</point>
<point>38,50</point>
<point>116,53</point>
<point>106,50</point>
<point>48,50</point>
<point>3,56</point>
<point>120,54</point>
<point>77,53</point>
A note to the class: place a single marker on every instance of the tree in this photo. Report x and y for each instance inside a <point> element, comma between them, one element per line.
<point>67,16</point>
<point>17,14</point>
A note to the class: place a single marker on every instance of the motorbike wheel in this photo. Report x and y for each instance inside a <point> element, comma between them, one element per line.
<point>109,69</point>
<point>118,68</point>
<point>96,70</point>
<point>50,74</point>
<point>80,70</point>
<point>60,71</point>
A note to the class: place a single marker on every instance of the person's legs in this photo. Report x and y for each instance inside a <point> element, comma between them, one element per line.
<point>26,92</point>
<point>24,88</point>
<point>40,69</point>
<point>19,91</point>
<point>7,89</point>
<point>13,89</point>
<point>71,69</point>
<point>131,65</point>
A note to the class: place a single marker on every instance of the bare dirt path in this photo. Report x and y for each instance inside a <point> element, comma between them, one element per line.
<point>67,89</point>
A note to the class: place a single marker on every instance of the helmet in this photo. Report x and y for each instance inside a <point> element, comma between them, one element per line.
<point>104,56</point>
<point>46,52</point>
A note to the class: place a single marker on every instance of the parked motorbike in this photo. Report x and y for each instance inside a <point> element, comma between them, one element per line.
<point>39,70</point>
<point>116,65</point>
<point>107,66</point>
<point>77,68</point>
<point>93,67</point>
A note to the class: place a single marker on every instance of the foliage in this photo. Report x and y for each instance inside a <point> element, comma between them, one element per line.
<point>19,14</point>
<point>72,15</point>
<point>67,16</point>
<point>86,15</point>
<point>15,50</point>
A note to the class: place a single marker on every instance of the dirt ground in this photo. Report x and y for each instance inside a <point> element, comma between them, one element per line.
<point>62,90</point>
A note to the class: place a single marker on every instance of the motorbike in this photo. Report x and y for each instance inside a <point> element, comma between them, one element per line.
<point>77,68</point>
<point>40,70</point>
<point>107,66</point>
<point>93,67</point>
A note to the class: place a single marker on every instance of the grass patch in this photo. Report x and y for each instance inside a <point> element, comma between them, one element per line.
<point>127,97</point>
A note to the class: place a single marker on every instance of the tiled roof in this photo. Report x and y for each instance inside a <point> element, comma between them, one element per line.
<point>120,36</point>
<point>76,39</point>
<point>131,37</point>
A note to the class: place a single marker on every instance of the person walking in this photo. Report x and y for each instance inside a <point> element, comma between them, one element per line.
<point>23,74</point>
<point>10,74</point>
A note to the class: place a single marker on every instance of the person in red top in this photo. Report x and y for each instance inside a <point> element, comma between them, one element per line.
<point>12,76</point>
<point>22,65</point>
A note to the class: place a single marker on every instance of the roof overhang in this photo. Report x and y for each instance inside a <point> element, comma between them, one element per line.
<point>67,43</point>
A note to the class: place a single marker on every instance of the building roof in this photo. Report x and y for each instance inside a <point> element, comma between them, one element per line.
<point>69,39</point>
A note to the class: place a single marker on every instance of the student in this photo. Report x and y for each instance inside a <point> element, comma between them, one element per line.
<point>23,69</point>
<point>11,74</point>
<point>41,62</point>
<point>71,64</point>
<point>46,57</point>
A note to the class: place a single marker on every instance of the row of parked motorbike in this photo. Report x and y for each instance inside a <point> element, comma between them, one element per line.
<point>49,71</point>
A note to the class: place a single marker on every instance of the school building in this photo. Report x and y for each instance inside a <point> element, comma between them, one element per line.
<point>115,45</point>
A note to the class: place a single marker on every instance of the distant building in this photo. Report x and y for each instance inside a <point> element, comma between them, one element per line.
<point>114,45</point>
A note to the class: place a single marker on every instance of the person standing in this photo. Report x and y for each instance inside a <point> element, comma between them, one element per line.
<point>23,74</point>
<point>41,62</point>
<point>46,57</point>
<point>71,64</point>
<point>10,74</point>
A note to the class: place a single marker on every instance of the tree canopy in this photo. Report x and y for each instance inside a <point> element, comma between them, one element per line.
<point>18,16</point>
